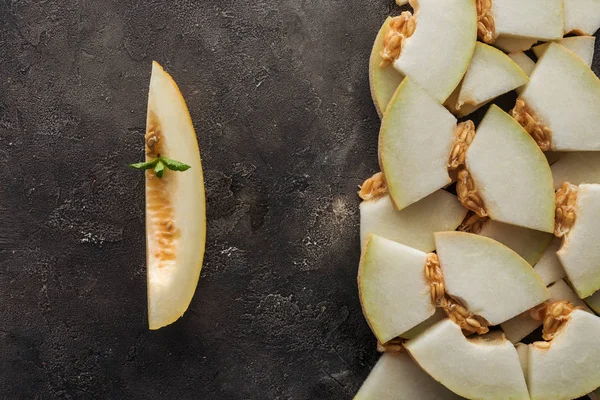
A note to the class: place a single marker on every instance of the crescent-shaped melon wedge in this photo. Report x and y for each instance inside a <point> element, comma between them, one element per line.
<point>175,204</point>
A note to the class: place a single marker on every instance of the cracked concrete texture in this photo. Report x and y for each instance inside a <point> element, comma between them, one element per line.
<point>278,91</point>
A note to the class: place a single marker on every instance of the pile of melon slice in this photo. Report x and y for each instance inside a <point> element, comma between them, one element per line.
<point>480,268</point>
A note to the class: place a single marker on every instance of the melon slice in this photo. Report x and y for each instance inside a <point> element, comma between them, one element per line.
<point>525,63</point>
<point>527,243</point>
<point>567,366</point>
<point>583,46</point>
<point>393,290</point>
<point>397,377</point>
<point>511,44</point>
<point>523,324</point>
<point>438,53</point>
<point>439,315</point>
<point>413,226</point>
<point>580,252</point>
<point>483,367</point>
<point>594,302</point>
<point>538,19</point>
<point>488,278</point>
<point>576,168</point>
<point>490,74</point>
<point>383,81</point>
<point>582,16</point>
<point>549,267</point>
<point>510,173</point>
<point>175,204</point>
<point>523,352</point>
<point>415,140</point>
<point>560,124</point>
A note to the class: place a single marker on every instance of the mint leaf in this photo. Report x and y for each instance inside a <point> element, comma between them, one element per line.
<point>174,165</point>
<point>159,170</point>
<point>145,165</point>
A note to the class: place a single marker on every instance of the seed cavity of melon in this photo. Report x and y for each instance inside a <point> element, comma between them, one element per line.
<point>486,29</point>
<point>566,203</point>
<point>401,28</point>
<point>373,188</point>
<point>531,123</point>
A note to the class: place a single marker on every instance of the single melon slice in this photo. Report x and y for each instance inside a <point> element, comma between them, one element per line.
<point>594,302</point>
<point>175,204</point>
<point>383,81</point>
<point>416,137</point>
<point>560,106</point>
<point>523,324</point>
<point>489,279</point>
<point>439,315</point>
<point>580,252</point>
<point>582,16</point>
<point>528,243</point>
<point>549,267</point>
<point>511,44</point>
<point>576,168</point>
<point>397,377</point>
<point>413,226</point>
<point>393,290</point>
<point>438,53</point>
<point>483,367</point>
<point>525,63</point>
<point>490,74</point>
<point>510,173</point>
<point>538,19</point>
<point>523,352</point>
<point>583,46</point>
<point>567,366</point>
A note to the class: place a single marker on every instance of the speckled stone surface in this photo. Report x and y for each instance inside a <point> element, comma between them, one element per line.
<point>278,91</point>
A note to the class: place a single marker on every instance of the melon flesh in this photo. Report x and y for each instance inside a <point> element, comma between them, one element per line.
<point>393,291</point>
<point>523,61</point>
<point>514,43</point>
<point>539,19</point>
<point>564,94</point>
<point>415,141</point>
<point>438,53</point>
<point>549,267</point>
<point>576,168</point>
<point>383,81</point>
<point>523,352</point>
<point>175,205</point>
<point>484,367</point>
<point>398,377</point>
<point>569,368</point>
<point>583,46</point>
<point>511,173</point>
<point>439,315</point>
<point>489,279</point>
<point>594,302</point>
<point>582,16</point>
<point>523,324</point>
<point>528,243</point>
<point>580,252</point>
<point>413,226</point>
<point>490,74</point>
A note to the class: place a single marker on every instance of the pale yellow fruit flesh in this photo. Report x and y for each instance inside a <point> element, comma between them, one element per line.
<point>393,291</point>
<point>582,16</point>
<point>439,315</point>
<point>397,377</point>
<point>484,367</point>
<point>525,63</point>
<point>491,73</point>
<point>528,243</point>
<point>580,252</point>
<point>514,43</point>
<point>415,225</point>
<point>576,168</point>
<point>583,46</point>
<point>593,302</point>
<point>564,94</point>
<point>523,351</point>
<point>539,19</point>
<point>415,140</point>
<point>438,53</point>
<point>175,205</point>
<point>549,267</point>
<point>490,279</point>
<point>383,81</point>
<point>511,173</point>
<point>567,369</point>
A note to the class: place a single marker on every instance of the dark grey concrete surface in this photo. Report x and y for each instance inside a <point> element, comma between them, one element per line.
<point>278,91</point>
